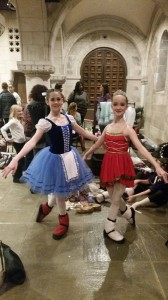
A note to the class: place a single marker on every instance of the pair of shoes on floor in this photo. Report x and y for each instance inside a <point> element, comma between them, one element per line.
<point>73,198</point>
<point>88,208</point>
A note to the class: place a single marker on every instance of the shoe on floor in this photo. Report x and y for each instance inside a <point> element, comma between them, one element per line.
<point>17,180</point>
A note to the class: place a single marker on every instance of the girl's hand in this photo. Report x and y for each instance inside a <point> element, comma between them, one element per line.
<point>136,181</point>
<point>85,157</point>
<point>131,198</point>
<point>10,141</point>
<point>10,168</point>
<point>162,173</point>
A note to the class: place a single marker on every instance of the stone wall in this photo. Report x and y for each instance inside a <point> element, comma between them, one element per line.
<point>156,100</point>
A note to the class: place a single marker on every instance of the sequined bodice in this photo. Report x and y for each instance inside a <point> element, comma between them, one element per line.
<point>59,137</point>
<point>116,143</point>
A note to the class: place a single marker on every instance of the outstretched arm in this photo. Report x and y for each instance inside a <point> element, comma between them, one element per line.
<point>131,198</point>
<point>94,147</point>
<point>133,137</point>
<point>84,132</point>
<point>26,149</point>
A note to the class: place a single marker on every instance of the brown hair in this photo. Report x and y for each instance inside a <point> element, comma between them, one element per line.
<point>72,108</point>
<point>4,85</point>
<point>49,91</point>
<point>121,93</point>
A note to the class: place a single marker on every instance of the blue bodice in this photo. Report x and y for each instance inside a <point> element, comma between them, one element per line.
<point>59,137</point>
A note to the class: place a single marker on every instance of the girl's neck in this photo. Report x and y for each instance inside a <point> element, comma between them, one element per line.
<point>19,119</point>
<point>55,115</point>
<point>118,120</point>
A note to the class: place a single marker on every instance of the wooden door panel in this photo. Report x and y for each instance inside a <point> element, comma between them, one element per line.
<point>103,65</point>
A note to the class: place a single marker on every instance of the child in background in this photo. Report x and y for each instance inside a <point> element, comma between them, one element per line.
<point>156,192</point>
<point>72,110</point>
<point>117,170</point>
<point>18,138</point>
<point>57,170</point>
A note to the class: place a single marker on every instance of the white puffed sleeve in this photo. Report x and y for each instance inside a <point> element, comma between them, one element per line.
<point>71,118</point>
<point>44,125</point>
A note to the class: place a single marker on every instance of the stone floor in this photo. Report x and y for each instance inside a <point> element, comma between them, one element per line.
<point>83,265</point>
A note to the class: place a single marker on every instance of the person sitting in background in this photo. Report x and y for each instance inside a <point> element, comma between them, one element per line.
<point>156,189</point>
<point>16,95</point>
<point>72,110</point>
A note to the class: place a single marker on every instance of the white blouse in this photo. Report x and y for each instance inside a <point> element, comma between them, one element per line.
<point>17,131</point>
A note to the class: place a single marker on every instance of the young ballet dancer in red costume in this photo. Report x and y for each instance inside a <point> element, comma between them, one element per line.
<point>117,170</point>
<point>57,170</point>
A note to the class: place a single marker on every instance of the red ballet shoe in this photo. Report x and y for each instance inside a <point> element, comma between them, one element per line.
<point>62,228</point>
<point>43,211</point>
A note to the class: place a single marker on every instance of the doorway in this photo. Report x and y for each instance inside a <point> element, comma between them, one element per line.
<point>19,83</point>
<point>103,65</point>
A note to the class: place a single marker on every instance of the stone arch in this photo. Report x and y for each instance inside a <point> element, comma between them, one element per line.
<point>162,63</point>
<point>74,58</point>
<point>92,25</point>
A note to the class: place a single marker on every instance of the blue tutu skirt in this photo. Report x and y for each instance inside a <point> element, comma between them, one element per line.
<point>46,174</point>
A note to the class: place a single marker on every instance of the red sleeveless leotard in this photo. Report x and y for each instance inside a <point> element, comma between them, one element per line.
<point>117,164</point>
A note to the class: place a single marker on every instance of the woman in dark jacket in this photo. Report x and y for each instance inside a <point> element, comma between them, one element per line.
<point>36,109</point>
<point>80,98</point>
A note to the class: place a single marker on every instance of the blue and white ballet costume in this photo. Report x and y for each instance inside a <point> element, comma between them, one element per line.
<point>59,168</point>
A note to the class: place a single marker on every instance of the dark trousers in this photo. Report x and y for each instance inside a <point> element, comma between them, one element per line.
<point>18,147</point>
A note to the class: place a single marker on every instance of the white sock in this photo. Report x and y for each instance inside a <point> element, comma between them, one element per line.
<point>61,206</point>
<point>51,200</point>
<point>113,211</point>
<point>143,202</point>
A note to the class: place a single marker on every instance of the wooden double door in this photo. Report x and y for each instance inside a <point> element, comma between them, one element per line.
<point>103,65</point>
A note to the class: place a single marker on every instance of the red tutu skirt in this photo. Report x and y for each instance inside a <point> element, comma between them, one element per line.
<point>117,167</point>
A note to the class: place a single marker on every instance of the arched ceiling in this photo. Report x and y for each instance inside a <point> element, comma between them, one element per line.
<point>137,12</point>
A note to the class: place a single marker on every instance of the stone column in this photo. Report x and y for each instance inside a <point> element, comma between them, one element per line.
<point>144,83</point>
<point>57,79</point>
<point>36,73</point>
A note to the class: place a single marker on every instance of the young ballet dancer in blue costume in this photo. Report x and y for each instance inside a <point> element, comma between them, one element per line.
<point>58,170</point>
<point>117,170</point>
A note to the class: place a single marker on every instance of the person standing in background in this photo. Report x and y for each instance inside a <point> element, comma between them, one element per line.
<point>103,114</point>
<point>16,95</point>
<point>58,88</point>
<point>80,98</point>
<point>35,110</point>
<point>6,101</point>
<point>18,139</point>
<point>72,110</point>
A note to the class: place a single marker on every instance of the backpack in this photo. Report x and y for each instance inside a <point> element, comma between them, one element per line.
<point>12,266</point>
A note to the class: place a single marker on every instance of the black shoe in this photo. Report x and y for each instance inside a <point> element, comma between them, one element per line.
<point>17,180</point>
<point>32,192</point>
